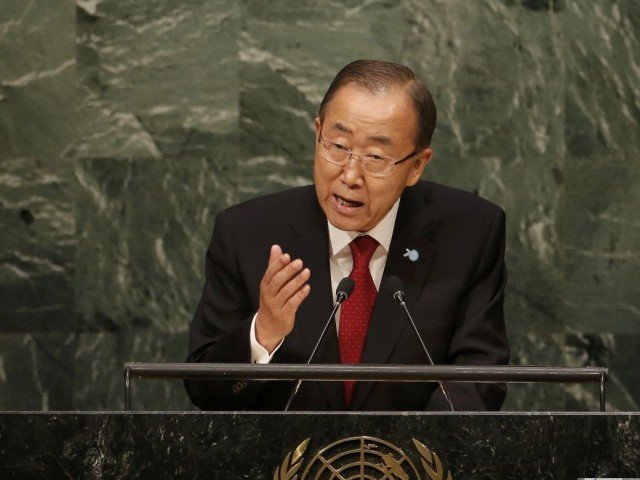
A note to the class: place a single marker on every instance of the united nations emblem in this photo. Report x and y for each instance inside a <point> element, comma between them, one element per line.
<point>361,458</point>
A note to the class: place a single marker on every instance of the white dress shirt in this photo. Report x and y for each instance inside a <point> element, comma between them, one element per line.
<point>340,264</point>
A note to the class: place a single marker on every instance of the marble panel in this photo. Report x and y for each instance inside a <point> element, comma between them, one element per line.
<point>37,72</point>
<point>598,222</point>
<point>37,248</point>
<point>616,352</point>
<point>37,371</point>
<point>99,381</point>
<point>143,228</point>
<point>158,155</point>
<point>156,76</point>
<point>37,101</point>
<point>257,446</point>
<point>72,371</point>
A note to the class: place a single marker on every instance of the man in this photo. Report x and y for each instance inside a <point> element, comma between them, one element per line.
<point>274,262</point>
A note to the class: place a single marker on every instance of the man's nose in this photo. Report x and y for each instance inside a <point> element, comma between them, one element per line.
<point>353,172</point>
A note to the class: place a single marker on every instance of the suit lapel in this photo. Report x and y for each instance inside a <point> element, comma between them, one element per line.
<point>412,231</point>
<point>311,244</point>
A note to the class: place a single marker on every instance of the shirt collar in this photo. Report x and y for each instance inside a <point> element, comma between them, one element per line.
<point>382,232</point>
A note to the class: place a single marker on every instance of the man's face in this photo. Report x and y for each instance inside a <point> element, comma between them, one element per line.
<point>378,123</point>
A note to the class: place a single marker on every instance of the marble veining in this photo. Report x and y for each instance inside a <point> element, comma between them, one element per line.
<point>125,126</point>
<point>233,445</point>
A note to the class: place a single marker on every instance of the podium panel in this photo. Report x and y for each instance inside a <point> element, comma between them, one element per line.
<point>319,445</point>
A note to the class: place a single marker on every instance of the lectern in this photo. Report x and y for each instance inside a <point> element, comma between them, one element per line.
<point>326,445</point>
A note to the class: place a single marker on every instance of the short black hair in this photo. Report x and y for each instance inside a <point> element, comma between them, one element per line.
<point>379,76</point>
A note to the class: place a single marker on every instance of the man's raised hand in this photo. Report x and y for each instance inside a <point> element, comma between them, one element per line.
<point>282,289</point>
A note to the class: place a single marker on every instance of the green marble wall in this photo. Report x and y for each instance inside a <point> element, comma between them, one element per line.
<point>126,125</point>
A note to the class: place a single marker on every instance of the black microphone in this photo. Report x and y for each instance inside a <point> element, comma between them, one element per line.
<point>395,285</point>
<point>345,288</point>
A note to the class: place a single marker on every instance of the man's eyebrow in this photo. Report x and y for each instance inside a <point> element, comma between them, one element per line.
<point>341,127</point>
<point>383,139</point>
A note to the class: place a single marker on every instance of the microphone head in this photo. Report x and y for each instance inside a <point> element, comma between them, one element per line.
<point>345,287</point>
<point>395,285</point>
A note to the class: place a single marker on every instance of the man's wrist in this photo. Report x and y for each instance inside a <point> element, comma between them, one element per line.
<point>268,343</point>
<point>266,340</point>
<point>259,354</point>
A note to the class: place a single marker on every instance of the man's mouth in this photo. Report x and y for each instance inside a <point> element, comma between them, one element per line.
<point>347,203</point>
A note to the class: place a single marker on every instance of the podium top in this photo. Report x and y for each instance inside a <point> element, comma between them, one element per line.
<point>388,373</point>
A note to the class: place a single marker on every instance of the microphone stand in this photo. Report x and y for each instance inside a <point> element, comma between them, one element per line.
<point>399,296</point>
<point>344,290</point>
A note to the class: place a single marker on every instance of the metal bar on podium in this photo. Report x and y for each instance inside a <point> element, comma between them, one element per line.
<point>366,372</point>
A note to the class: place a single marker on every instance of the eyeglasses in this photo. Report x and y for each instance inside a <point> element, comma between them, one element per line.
<point>374,164</point>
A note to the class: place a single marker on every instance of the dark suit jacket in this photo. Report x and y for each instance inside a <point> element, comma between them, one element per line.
<point>454,291</point>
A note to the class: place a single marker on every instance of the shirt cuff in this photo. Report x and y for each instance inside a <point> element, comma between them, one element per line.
<point>259,354</point>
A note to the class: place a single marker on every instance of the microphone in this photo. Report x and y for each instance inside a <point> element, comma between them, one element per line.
<point>395,285</point>
<point>345,288</point>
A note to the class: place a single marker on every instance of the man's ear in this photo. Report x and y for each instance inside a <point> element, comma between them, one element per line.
<point>317,125</point>
<point>418,165</point>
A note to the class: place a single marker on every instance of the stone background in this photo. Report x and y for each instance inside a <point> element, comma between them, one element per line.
<point>126,125</point>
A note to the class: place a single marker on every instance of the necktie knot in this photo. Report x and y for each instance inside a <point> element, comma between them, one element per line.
<point>362,249</point>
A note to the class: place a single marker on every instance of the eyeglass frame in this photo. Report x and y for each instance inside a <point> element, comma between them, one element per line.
<point>391,163</point>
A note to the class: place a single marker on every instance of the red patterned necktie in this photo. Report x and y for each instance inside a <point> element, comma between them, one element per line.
<point>355,312</point>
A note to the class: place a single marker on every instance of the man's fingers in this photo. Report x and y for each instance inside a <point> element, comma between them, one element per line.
<point>274,253</point>
<point>284,281</point>
<point>294,302</point>
<point>276,263</point>
<point>282,277</point>
<point>293,285</point>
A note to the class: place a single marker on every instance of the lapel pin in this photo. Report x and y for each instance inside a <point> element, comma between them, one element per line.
<point>412,254</point>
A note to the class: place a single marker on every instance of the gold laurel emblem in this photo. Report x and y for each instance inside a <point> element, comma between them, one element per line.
<point>431,462</point>
<point>360,458</point>
<point>292,463</point>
